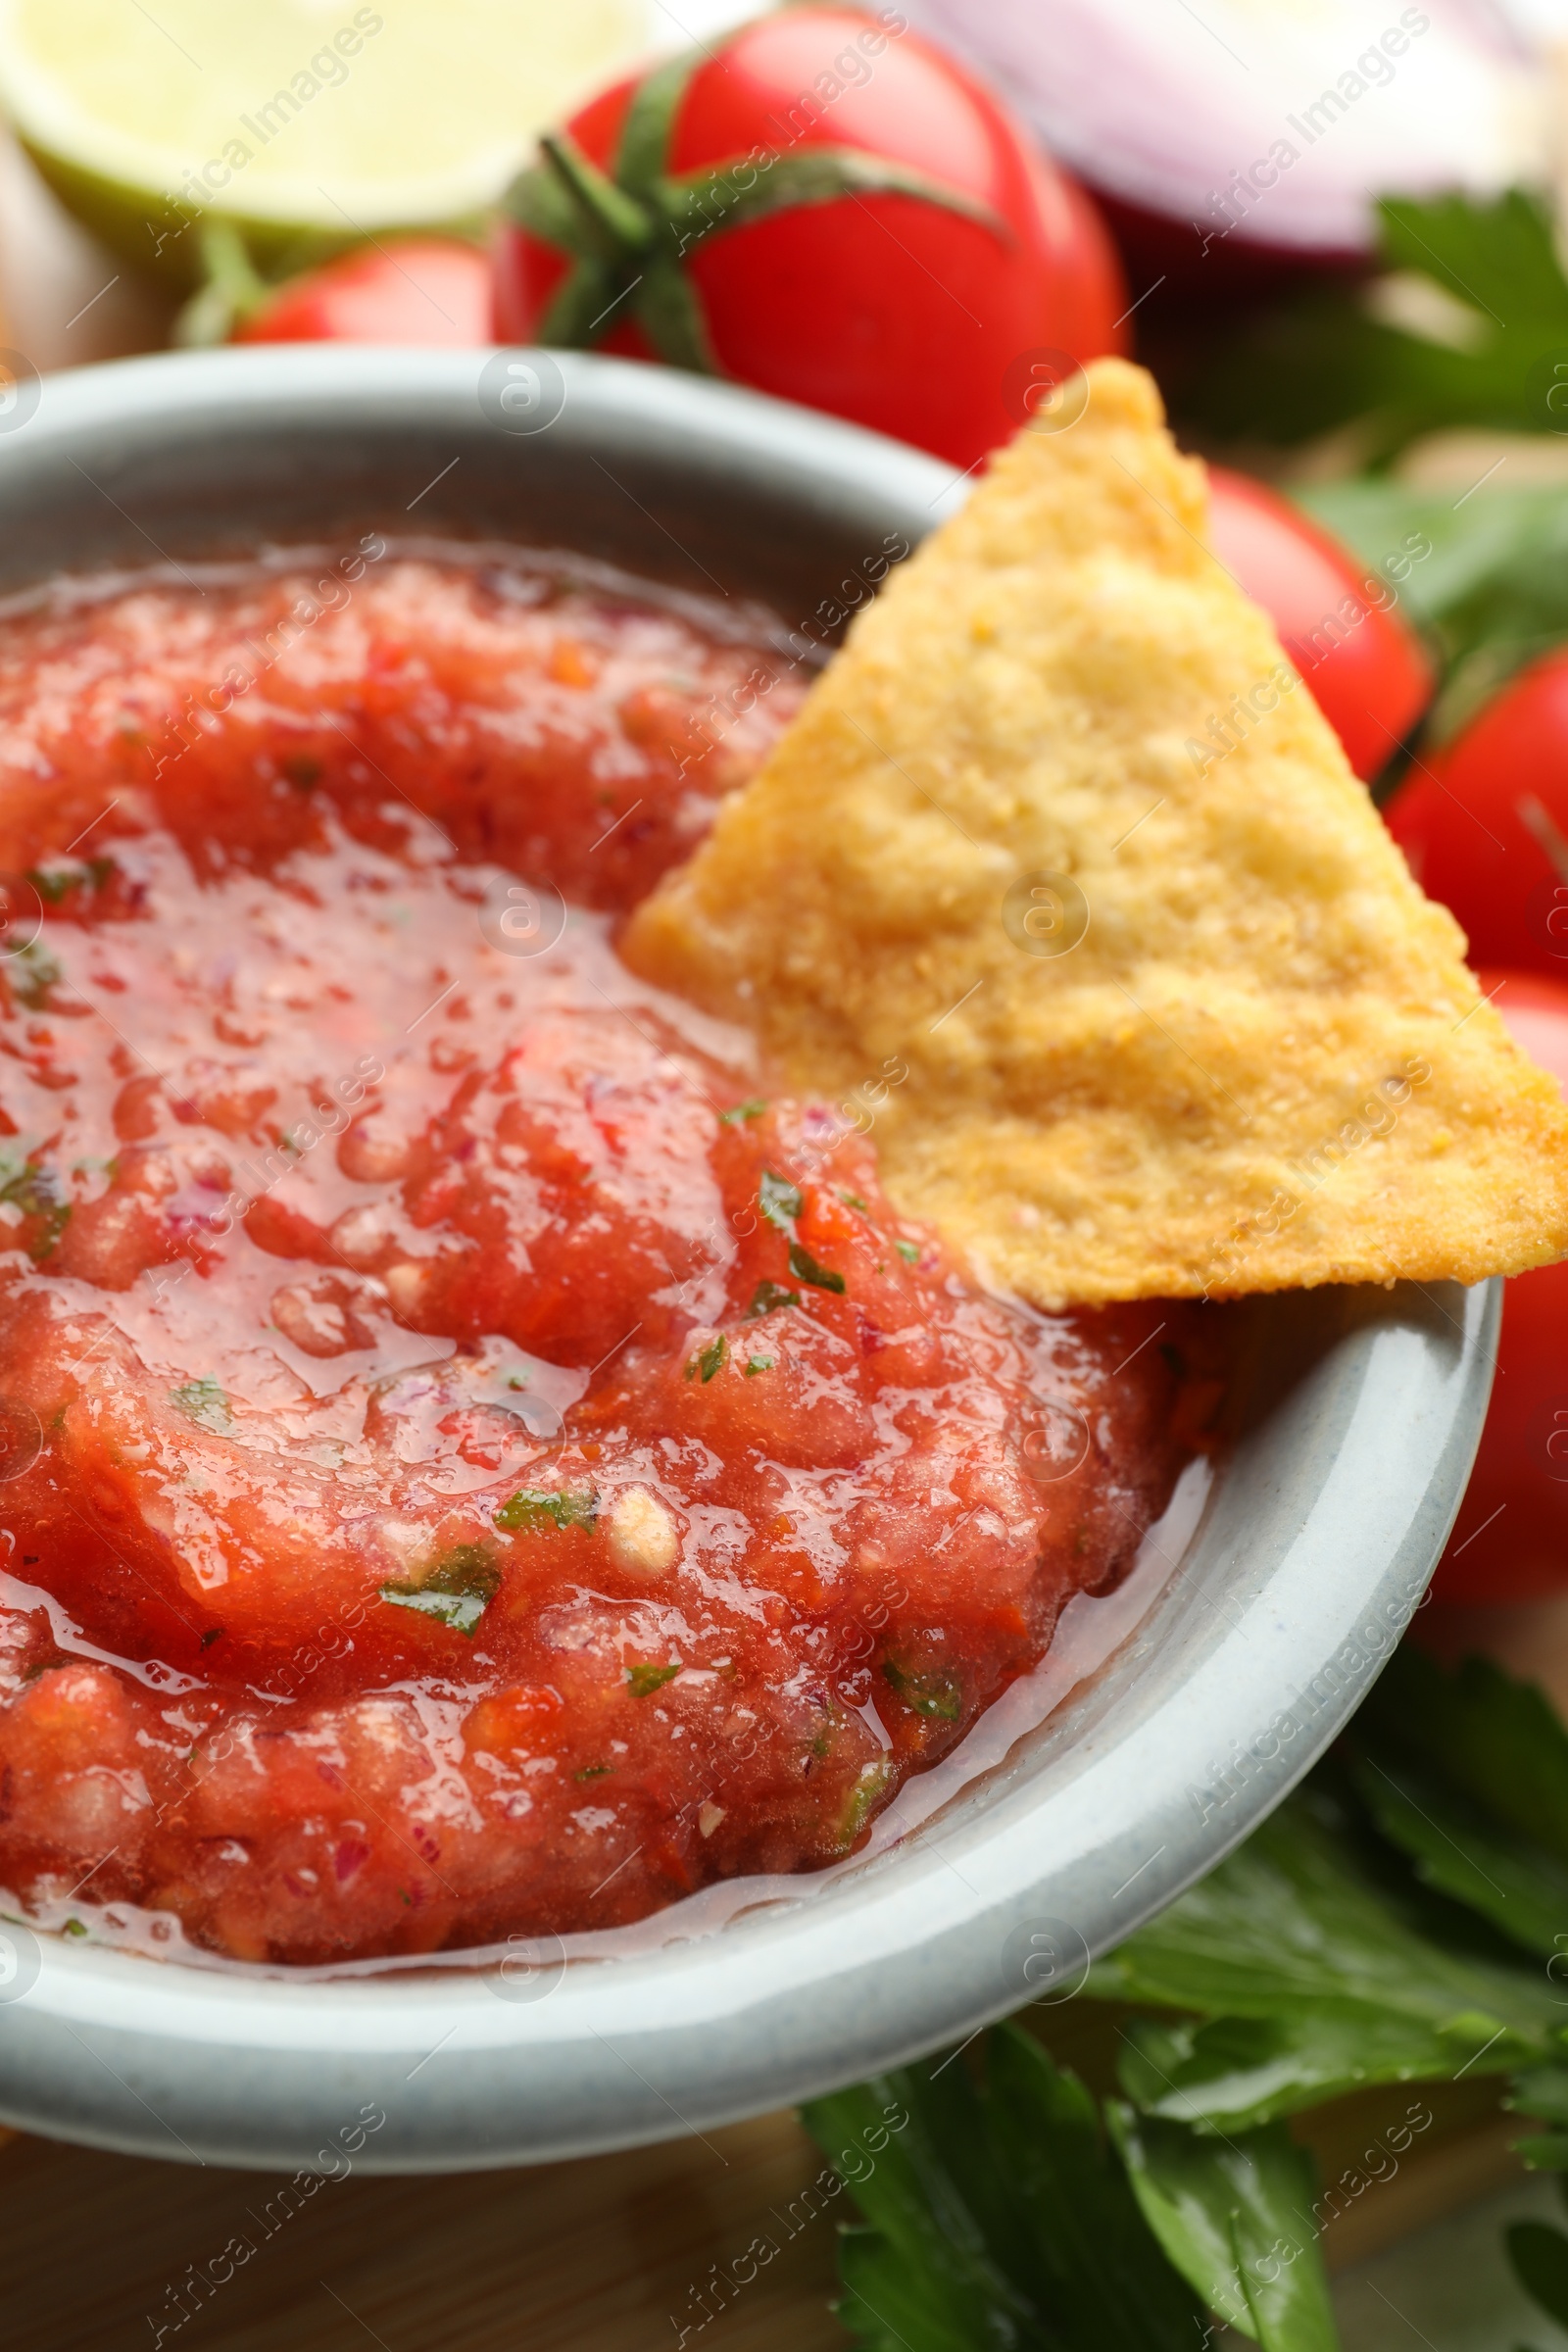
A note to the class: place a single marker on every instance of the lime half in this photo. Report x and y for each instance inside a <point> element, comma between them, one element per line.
<point>307,123</point>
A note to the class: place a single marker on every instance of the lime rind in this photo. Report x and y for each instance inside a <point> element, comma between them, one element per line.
<point>141,229</point>
<point>248,112</point>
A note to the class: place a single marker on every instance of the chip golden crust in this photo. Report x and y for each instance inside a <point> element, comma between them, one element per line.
<point>1262,1066</point>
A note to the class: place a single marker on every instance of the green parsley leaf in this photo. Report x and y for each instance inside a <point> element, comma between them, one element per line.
<point>709,1359</point>
<point>1540,2259</point>
<point>204,1402</point>
<point>1491,593</point>
<point>759,1363</point>
<point>868,1785</point>
<point>909,1251</point>
<point>1233,2217</point>
<point>533,1509</point>
<point>807,1269</point>
<point>54,882</point>
<point>780,1200</point>
<point>741,1112</point>
<point>767,1295</point>
<point>1308,1968</point>
<point>996,2215</point>
<point>1461,1850</point>
<point>34,1189</point>
<point>926,1694</point>
<point>1496,1740</point>
<point>853,1201</point>
<point>1496,326</point>
<point>1541,2091</point>
<point>457,1591</point>
<point>645,1679</point>
<point>1467,1773</point>
<point>33,972</point>
<point>74,1927</point>
<point>592,1772</point>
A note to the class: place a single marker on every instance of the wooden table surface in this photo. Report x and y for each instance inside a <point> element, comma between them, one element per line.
<point>609,2254</point>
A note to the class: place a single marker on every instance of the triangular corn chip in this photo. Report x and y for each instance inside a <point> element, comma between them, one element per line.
<point>1175,1019</point>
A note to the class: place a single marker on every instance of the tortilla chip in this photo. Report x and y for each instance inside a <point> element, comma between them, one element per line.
<point>1130,1014</point>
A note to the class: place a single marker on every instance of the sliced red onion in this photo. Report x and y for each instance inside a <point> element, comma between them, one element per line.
<point>1262,124</point>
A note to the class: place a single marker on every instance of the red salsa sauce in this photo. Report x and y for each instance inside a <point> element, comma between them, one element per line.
<point>475,1460</point>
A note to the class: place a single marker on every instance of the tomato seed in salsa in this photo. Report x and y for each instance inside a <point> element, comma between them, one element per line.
<point>476,1458</point>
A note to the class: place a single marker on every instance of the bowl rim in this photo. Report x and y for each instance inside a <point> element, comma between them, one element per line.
<point>1317,1545</point>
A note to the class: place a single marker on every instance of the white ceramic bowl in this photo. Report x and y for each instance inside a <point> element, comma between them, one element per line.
<point>1204,1690</point>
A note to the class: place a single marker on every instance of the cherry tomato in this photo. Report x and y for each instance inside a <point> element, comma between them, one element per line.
<point>1510,1541</point>
<point>1367,669</point>
<point>1485,823</point>
<point>826,208</point>
<point>415,290</point>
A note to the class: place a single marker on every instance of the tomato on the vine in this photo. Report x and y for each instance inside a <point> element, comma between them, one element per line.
<point>1510,1541</point>
<point>1365,666</point>
<point>1485,823</point>
<point>830,210</point>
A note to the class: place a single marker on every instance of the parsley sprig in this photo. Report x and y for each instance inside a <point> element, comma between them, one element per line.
<point>1006,2213</point>
<point>1468,326</point>
<point>1389,1922</point>
<point>1491,593</point>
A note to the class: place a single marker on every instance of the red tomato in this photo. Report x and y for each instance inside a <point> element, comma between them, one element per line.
<point>1367,668</point>
<point>869,232</point>
<point>1510,1541</point>
<point>1485,823</point>
<point>417,290</point>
